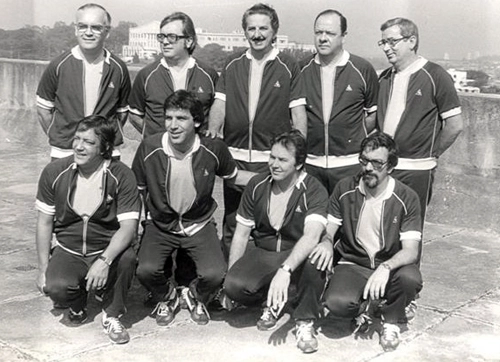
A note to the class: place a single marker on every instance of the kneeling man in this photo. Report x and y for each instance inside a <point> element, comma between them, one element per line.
<point>285,213</point>
<point>176,172</point>
<point>378,249</point>
<point>91,203</point>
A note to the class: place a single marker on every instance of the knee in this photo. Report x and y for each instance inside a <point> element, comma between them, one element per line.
<point>127,260</point>
<point>59,289</point>
<point>213,275</point>
<point>341,306</point>
<point>147,271</point>
<point>234,287</point>
<point>409,278</point>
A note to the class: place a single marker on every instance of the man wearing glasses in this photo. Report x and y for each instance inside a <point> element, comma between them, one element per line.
<point>342,91</point>
<point>417,105</point>
<point>378,249</point>
<point>177,69</point>
<point>86,80</point>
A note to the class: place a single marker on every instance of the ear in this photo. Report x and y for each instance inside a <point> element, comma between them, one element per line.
<point>197,124</point>
<point>188,42</point>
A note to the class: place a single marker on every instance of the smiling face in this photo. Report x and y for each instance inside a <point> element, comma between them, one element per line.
<point>282,164</point>
<point>87,149</point>
<point>175,50</point>
<point>181,128</point>
<point>260,34</point>
<point>328,37</point>
<point>91,30</point>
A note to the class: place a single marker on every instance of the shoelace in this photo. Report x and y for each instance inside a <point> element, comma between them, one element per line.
<point>305,331</point>
<point>361,320</point>
<point>113,324</point>
<point>266,314</point>
<point>391,332</point>
<point>186,295</point>
<point>201,309</point>
<point>162,309</point>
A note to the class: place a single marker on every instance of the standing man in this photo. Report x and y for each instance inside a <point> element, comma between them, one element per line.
<point>341,90</point>
<point>417,105</point>
<point>259,95</point>
<point>176,171</point>
<point>90,201</point>
<point>378,249</point>
<point>284,210</point>
<point>86,80</point>
<point>177,69</point>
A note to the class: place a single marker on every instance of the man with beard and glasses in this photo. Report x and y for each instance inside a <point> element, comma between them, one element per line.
<point>259,96</point>
<point>86,80</point>
<point>378,248</point>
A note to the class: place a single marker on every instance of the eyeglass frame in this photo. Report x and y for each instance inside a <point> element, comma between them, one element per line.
<point>94,29</point>
<point>376,164</point>
<point>170,35</point>
<point>391,41</point>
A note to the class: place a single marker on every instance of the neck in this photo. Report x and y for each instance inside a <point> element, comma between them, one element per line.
<point>380,189</point>
<point>92,56</point>
<point>89,169</point>
<point>405,63</point>
<point>326,60</point>
<point>260,54</point>
<point>177,62</point>
<point>182,149</point>
<point>284,185</point>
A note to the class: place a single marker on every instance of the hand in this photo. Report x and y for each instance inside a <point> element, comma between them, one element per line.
<point>40,281</point>
<point>322,256</point>
<point>375,287</point>
<point>278,289</point>
<point>97,275</point>
<point>212,134</point>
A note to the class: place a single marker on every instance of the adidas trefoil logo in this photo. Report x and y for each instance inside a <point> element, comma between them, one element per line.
<point>277,84</point>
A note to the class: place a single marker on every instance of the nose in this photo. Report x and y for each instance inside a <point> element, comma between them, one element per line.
<point>386,47</point>
<point>78,145</point>
<point>88,31</point>
<point>322,37</point>
<point>369,166</point>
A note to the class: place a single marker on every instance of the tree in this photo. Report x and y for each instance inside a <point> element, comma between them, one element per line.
<point>479,78</point>
<point>119,36</point>
<point>212,54</point>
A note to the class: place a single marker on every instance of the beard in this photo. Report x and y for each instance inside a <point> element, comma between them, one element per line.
<point>371,180</point>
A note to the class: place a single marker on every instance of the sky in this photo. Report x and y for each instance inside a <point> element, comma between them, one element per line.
<point>455,27</point>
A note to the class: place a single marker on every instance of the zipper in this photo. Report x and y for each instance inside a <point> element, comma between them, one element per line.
<point>84,238</point>
<point>371,257</point>
<point>250,121</point>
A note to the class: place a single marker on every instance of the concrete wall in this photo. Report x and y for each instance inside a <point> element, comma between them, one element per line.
<point>466,189</point>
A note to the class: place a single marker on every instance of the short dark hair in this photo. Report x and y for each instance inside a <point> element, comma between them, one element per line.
<point>183,99</point>
<point>407,28</point>
<point>380,139</point>
<point>94,6</point>
<point>188,27</point>
<point>295,139</point>
<point>343,20</point>
<point>262,9</point>
<point>105,130</point>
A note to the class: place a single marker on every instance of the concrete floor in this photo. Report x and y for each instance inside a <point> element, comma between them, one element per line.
<point>458,318</point>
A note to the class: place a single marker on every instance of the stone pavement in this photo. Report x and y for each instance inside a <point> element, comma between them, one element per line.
<point>458,318</point>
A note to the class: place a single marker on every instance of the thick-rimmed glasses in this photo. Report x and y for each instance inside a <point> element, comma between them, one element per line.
<point>172,38</point>
<point>376,164</point>
<point>391,41</point>
<point>95,29</point>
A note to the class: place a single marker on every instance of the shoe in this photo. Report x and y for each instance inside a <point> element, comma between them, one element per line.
<point>362,323</point>
<point>77,318</point>
<point>267,320</point>
<point>198,310</point>
<point>114,329</point>
<point>389,340</point>
<point>411,310</point>
<point>165,311</point>
<point>58,305</point>
<point>306,336</point>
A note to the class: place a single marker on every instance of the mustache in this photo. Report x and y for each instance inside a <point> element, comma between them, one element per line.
<point>258,38</point>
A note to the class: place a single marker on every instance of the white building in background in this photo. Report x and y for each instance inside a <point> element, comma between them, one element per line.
<point>461,81</point>
<point>142,41</point>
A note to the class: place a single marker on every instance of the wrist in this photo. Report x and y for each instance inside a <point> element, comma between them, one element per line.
<point>105,259</point>
<point>386,266</point>
<point>286,268</point>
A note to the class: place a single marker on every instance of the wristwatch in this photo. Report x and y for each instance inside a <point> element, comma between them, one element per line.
<point>385,265</point>
<point>107,261</point>
<point>286,268</point>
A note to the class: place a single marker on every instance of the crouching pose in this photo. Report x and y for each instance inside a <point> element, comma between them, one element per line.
<point>378,249</point>
<point>92,205</point>
<point>176,172</point>
<point>285,212</point>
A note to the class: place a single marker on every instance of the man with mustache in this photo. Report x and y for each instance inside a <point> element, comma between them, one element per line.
<point>259,95</point>
<point>341,91</point>
<point>177,69</point>
<point>378,248</point>
<point>86,80</point>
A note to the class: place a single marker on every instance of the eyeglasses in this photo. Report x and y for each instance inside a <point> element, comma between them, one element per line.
<point>172,38</point>
<point>391,42</point>
<point>95,29</point>
<point>376,164</point>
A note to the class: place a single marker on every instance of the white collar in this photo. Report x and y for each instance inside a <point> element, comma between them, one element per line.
<point>77,53</point>
<point>387,192</point>
<point>171,152</point>
<point>190,63</point>
<point>342,61</point>
<point>268,57</point>
<point>413,67</point>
